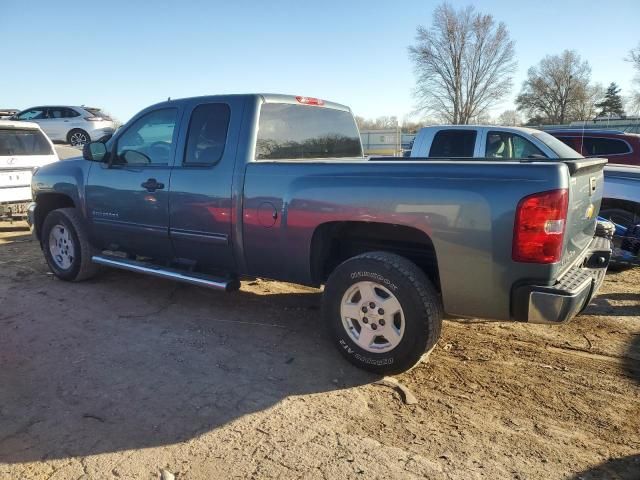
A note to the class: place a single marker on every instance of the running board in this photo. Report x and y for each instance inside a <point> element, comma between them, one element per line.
<point>199,279</point>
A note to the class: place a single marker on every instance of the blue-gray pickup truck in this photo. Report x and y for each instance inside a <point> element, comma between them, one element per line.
<point>211,190</point>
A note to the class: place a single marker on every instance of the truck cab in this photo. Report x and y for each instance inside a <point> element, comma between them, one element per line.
<point>488,142</point>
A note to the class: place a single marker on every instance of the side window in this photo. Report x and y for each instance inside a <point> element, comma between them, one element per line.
<point>568,141</point>
<point>55,112</point>
<point>510,146</point>
<point>523,148</point>
<point>453,144</point>
<point>604,146</point>
<point>148,140</point>
<point>33,114</point>
<point>69,113</point>
<point>207,134</point>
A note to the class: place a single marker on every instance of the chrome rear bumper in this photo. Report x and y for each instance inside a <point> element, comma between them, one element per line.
<point>571,294</point>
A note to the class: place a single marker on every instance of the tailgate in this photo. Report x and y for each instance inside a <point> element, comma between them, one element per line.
<point>19,177</point>
<point>586,185</point>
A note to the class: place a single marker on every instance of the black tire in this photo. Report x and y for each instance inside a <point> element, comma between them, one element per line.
<point>420,303</point>
<point>626,218</point>
<point>81,267</point>
<point>78,137</point>
<point>631,241</point>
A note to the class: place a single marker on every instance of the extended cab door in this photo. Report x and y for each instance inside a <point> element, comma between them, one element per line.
<point>200,201</point>
<point>128,198</point>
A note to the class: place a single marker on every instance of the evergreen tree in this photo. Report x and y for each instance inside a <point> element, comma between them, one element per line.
<point>612,103</point>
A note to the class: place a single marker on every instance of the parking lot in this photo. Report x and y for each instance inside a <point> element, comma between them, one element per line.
<point>125,375</point>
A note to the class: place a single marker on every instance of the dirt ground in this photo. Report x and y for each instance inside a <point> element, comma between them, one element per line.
<point>125,375</point>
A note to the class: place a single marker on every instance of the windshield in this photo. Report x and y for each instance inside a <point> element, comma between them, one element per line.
<point>306,132</point>
<point>15,142</point>
<point>560,148</point>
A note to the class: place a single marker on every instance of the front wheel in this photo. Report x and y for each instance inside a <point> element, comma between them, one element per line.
<point>382,311</point>
<point>66,247</point>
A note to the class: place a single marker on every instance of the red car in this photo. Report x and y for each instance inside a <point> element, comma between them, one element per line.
<point>617,146</point>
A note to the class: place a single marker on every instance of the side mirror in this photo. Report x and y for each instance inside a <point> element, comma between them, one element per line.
<point>94,152</point>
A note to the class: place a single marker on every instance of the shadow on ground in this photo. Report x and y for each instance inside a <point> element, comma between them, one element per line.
<point>617,304</point>
<point>632,363</point>
<point>129,362</point>
<point>13,227</point>
<point>625,468</point>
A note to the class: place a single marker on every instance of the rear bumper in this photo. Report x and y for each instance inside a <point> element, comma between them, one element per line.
<point>571,294</point>
<point>13,210</point>
<point>97,133</point>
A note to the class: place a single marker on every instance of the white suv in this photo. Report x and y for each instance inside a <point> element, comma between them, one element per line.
<point>23,149</point>
<point>74,125</point>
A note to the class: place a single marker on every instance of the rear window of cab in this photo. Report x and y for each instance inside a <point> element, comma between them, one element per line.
<point>297,132</point>
<point>21,142</point>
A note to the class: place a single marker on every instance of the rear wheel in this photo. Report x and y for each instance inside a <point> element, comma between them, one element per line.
<point>382,311</point>
<point>78,137</point>
<point>66,247</point>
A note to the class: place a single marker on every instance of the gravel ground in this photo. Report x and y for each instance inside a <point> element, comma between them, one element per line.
<point>66,152</point>
<point>125,375</point>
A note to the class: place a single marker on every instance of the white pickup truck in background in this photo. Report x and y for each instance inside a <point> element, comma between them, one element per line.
<point>23,149</point>
<point>490,141</point>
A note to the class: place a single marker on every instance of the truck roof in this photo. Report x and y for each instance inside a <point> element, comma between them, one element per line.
<point>490,127</point>
<point>265,97</point>
<point>19,125</point>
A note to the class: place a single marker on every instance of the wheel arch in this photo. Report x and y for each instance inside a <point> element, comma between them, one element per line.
<point>46,203</point>
<point>334,242</point>
<point>616,203</point>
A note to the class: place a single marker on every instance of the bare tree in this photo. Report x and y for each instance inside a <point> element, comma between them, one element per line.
<point>555,87</point>
<point>378,123</point>
<point>634,58</point>
<point>464,64</point>
<point>587,102</point>
<point>510,118</point>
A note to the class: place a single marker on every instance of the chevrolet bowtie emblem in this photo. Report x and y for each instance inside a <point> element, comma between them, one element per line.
<point>590,210</point>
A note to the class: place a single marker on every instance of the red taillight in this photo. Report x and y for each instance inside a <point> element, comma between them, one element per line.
<point>310,100</point>
<point>539,227</point>
<point>93,119</point>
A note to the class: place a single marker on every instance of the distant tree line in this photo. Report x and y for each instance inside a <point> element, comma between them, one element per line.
<point>327,146</point>
<point>464,64</point>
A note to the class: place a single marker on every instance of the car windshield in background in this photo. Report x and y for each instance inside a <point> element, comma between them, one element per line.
<point>23,142</point>
<point>96,112</point>
<point>562,150</point>
<point>299,132</point>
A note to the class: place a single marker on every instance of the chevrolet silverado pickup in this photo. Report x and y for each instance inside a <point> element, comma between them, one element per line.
<point>211,190</point>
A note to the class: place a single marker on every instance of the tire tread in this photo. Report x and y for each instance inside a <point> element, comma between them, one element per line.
<point>429,306</point>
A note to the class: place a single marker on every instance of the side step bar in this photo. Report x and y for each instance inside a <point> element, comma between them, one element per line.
<point>199,279</point>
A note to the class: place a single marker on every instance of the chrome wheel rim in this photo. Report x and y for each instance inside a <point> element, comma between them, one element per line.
<point>61,247</point>
<point>372,317</point>
<point>78,138</point>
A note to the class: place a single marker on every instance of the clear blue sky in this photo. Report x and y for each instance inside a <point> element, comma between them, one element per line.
<point>125,55</point>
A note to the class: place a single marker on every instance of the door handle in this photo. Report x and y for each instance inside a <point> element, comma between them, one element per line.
<point>152,185</point>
